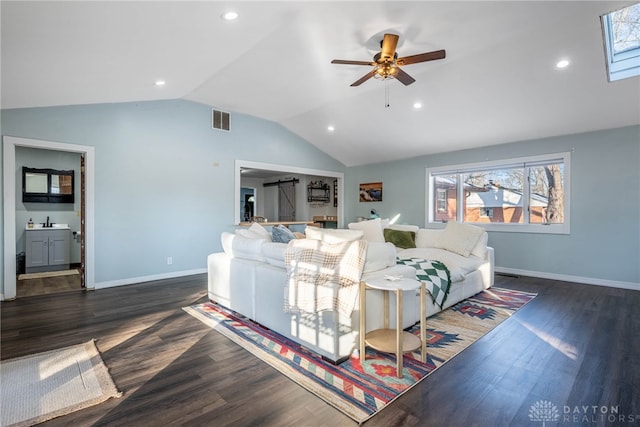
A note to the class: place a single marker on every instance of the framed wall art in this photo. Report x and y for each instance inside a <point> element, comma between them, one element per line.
<point>371,192</point>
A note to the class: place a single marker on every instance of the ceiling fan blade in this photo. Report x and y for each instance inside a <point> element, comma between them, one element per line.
<point>364,78</point>
<point>404,78</point>
<point>389,43</point>
<point>421,57</point>
<point>347,62</point>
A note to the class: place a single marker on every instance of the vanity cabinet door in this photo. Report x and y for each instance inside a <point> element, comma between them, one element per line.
<point>37,254</point>
<point>59,248</point>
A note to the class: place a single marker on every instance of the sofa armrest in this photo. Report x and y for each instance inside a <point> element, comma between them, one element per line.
<point>488,268</point>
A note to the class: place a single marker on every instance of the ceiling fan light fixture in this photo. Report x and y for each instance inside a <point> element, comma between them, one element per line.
<point>386,71</point>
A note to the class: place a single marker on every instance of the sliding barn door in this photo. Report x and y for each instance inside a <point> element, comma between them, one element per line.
<point>287,201</point>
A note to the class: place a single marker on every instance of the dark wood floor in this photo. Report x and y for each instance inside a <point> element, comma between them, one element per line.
<point>574,345</point>
<point>47,285</point>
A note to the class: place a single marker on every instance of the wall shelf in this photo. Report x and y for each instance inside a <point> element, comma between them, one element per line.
<point>318,192</point>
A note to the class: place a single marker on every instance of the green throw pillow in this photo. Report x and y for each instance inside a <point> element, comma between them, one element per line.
<point>401,239</point>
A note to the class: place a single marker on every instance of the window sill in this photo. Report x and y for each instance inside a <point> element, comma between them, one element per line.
<point>515,228</point>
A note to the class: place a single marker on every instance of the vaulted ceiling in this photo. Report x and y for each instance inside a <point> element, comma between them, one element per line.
<point>497,84</point>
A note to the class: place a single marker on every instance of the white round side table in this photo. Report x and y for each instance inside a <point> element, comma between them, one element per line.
<point>392,340</point>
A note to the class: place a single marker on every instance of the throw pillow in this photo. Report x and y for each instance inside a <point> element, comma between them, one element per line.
<point>260,230</point>
<point>460,238</point>
<point>248,234</point>
<point>404,227</point>
<point>329,235</point>
<point>372,229</point>
<point>282,234</point>
<point>428,238</point>
<point>400,238</point>
<point>255,231</point>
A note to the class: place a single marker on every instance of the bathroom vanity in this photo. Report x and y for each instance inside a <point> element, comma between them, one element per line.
<point>47,248</point>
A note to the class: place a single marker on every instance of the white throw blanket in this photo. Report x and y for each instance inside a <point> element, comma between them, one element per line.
<point>323,276</point>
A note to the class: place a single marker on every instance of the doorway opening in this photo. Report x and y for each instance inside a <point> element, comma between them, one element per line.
<point>249,173</point>
<point>87,268</point>
<point>248,197</point>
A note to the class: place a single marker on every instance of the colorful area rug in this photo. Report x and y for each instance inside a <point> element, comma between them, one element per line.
<point>361,390</point>
<point>42,386</point>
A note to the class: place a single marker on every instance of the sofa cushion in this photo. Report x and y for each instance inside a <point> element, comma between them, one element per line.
<point>401,239</point>
<point>255,231</point>
<point>480,249</point>
<point>274,253</point>
<point>372,229</point>
<point>226,239</point>
<point>460,238</point>
<point>379,256</point>
<point>239,246</point>
<point>428,238</point>
<point>403,227</point>
<point>329,235</point>
<point>282,234</point>
<point>459,266</point>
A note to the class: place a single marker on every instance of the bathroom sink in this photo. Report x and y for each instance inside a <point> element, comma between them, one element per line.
<point>54,226</point>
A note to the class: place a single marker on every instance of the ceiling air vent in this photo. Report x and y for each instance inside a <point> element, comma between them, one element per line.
<point>220,120</point>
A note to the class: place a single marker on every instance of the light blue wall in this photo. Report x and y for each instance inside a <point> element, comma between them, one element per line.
<point>604,242</point>
<point>164,187</point>
<point>163,178</point>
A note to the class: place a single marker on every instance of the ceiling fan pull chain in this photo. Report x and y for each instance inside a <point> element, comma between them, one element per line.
<point>386,94</point>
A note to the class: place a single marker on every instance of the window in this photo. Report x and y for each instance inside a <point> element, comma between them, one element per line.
<point>621,33</point>
<point>446,190</point>
<point>487,212</point>
<point>442,200</point>
<point>526,194</point>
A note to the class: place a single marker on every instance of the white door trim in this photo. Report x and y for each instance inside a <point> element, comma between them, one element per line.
<point>9,226</point>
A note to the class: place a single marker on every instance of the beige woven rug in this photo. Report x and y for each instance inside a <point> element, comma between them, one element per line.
<point>43,386</point>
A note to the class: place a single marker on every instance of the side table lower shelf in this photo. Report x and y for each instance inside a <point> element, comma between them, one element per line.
<point>386,340</point>
<point>392,340</point>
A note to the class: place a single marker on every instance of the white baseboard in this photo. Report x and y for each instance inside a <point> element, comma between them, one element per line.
<point>569,278</point>
<point>141,279</point>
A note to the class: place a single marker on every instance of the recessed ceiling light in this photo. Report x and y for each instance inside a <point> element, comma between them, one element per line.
<point>229,16</point>
<point>330,128</point>
<point>417,105</point>
<point>160,83</point>
<point>563,63</point>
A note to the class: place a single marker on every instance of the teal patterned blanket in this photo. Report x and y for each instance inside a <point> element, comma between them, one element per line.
<point>435,275</point>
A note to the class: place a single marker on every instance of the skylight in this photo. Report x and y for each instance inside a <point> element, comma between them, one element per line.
<point>621,31</point>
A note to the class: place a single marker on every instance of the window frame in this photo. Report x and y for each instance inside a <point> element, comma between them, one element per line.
<point>444,201</point>
<point>525,163</point>
<point>620,65</point>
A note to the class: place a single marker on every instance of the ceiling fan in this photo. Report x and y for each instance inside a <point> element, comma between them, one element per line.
<point>387,64</point>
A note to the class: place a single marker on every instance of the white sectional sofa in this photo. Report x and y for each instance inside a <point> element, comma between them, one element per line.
<point>250,276</point>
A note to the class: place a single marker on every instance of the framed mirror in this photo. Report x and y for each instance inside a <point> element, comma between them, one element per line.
<point>47,186</point>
